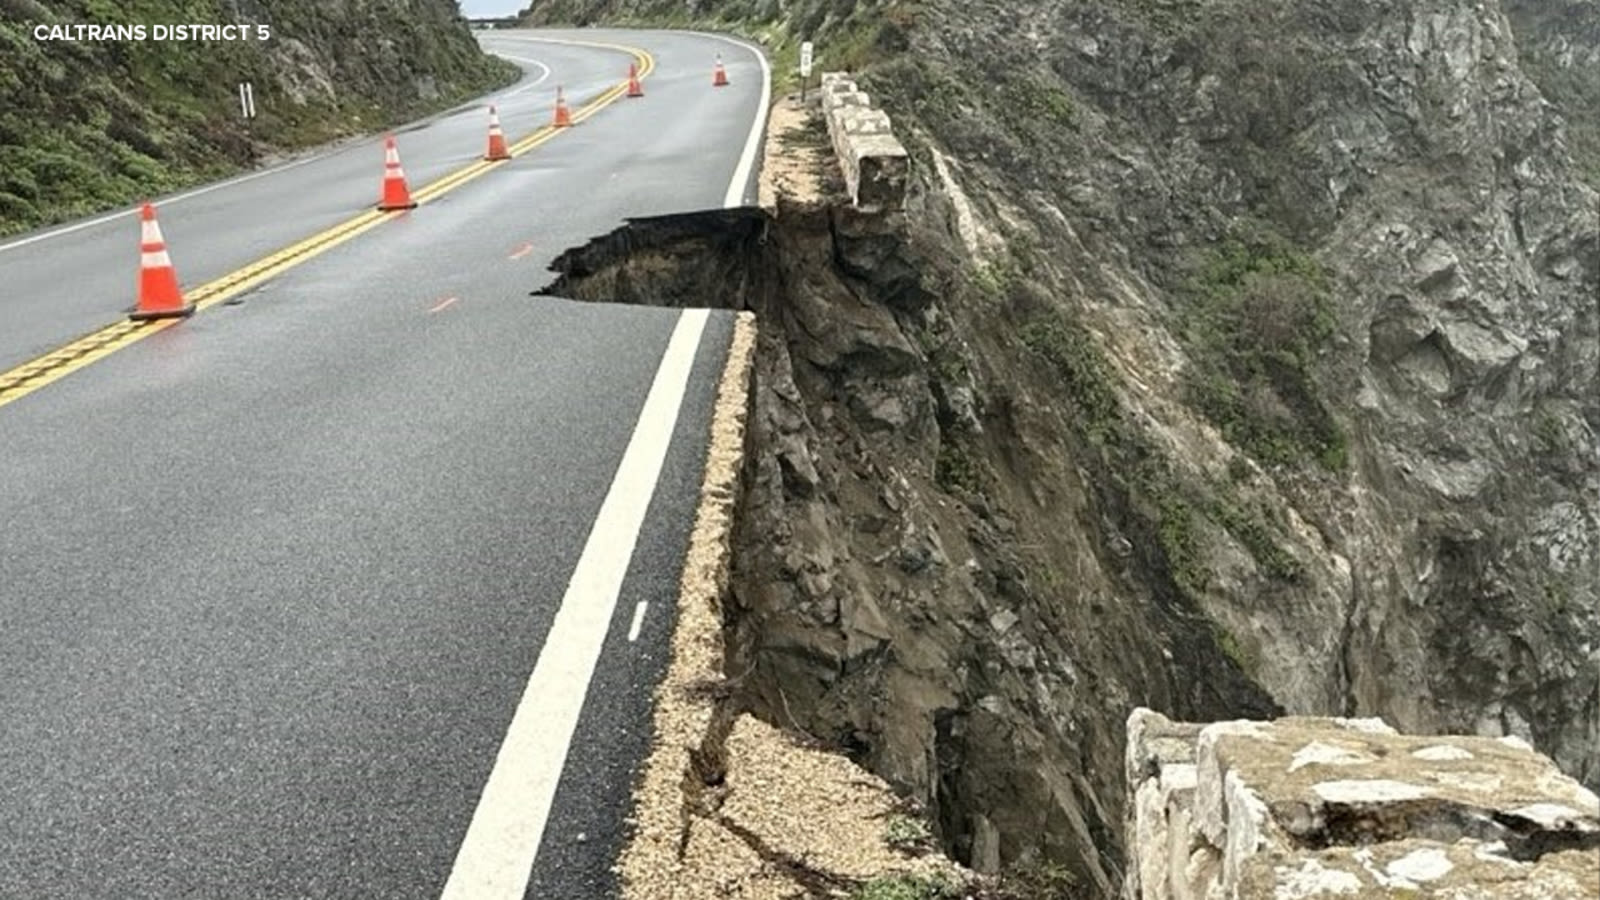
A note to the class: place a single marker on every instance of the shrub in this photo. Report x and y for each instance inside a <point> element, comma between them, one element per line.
<point>1255,314</point>
<point>907,887</point>
<point>907,834</point>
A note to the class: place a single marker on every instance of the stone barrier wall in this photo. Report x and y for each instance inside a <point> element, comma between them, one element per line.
<point>875,164</point>
<point>1303,808</point>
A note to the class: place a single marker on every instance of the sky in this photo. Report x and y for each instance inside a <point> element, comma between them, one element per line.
<point>473,9</point>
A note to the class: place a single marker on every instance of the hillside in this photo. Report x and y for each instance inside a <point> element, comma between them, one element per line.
<point>1232,358</point>
<point>89,125</point>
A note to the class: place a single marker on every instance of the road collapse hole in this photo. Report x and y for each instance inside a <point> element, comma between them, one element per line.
<point>716,259</point>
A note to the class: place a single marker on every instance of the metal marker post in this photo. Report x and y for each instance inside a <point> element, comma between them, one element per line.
<point>247,109</point>
<point>805,68</point>
<point>247,100</point>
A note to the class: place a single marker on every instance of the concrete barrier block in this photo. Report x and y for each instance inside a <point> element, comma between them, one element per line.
<point>1301,807</point>
<point>829,92</point>
<point>841,99</point>
<point>875,165</point>
<point>864,121</point>
<point>881,176</point>
<point>879,146</point>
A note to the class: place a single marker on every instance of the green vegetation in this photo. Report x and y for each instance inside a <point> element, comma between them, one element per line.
<point>1549,435</point>
<point>907,887</point>
<point>1041,880</point>
<point>1167,17</point>
<point>90,125</point>
<point>994,279</point>
<point>1255,312</point>
<point>1253,532</point>
<point>1247,662</point>
<point>907,834</point>
<point>1098,415</point>
<point>1051,579</point>
<point>918,85</point>
<point>955,470</point>
<point>1239,468</point>
<point>1084,375</point>
<point>1175,529</point>
<point>1029,100</point>
<point>1558,597</point>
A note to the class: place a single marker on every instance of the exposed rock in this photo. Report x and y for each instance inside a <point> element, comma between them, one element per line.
<point>1279,327</point>
<point>1304,808</point>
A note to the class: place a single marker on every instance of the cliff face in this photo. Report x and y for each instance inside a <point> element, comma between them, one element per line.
<point>85,125</point>
<point>1230,358</point>
<point>1340,258</point>
<point>1560,50</point>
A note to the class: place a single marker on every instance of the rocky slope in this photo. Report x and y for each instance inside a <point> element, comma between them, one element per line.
<point>1560,50</point>
<point>85,125</point>
<point>1231,358</point>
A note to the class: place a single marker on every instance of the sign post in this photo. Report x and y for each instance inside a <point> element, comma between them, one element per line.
<point>247,100</point>
<point>805,68</point>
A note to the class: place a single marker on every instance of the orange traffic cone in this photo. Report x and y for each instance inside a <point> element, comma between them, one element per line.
<point>395,193</point>
<point>497,138</point>
<point>634,90</point>
<point>159,295</point>
<point>719,75</point>
<point>563,115</point>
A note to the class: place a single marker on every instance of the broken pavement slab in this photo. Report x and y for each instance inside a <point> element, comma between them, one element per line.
<point>1307,807</point>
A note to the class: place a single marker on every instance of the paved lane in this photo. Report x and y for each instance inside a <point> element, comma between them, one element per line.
<point>68,281</point>
<point>274,580</point>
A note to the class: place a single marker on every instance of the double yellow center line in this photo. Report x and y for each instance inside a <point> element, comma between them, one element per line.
<point>35,374</point>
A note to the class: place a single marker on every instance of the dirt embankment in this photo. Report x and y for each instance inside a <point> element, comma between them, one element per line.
<point>729,805</point>
<point>878,604</point>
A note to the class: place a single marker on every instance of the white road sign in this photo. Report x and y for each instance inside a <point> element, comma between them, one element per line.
<point>805,60</point>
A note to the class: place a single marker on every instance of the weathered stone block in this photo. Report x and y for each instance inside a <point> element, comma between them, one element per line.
<point>881,177</point>
<point>1154,741</point>
<point>875,165</point>
<point>841,99</point>
<point>864,121</point>
<point>1304,807</point>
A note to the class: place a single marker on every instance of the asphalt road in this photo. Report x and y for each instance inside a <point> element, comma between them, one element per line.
<point>220,228</point>
<point>274,581</point>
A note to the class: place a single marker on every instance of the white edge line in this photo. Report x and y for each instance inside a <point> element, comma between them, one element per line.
<point>168,201</point>
<point>495,860</point>
<point>638,620</point>
<point>752,145</point>
<point>239,179</point>
<point>521,89</point>
<point>747,160</point>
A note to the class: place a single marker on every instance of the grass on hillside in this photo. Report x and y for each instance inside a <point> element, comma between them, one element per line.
<point>86,127</point>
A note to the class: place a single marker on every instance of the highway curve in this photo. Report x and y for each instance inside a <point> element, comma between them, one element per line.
<point>276,579</point>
